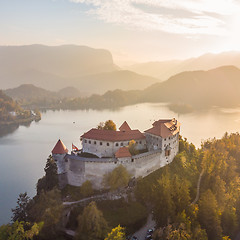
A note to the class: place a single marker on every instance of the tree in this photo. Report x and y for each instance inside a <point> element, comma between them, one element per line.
<point>17,230</point>
<point>132,147</point>
<point>108,125</point>
<point>86,189</point>
<point>51,174</point>
<point>118,178</point>
<point>91,224</point>
<point>20,212</point>
<point>164,207</point>
<point>117,233</point>
<point>209,216</point>
<point>47,208</point>
<point>50,180</point>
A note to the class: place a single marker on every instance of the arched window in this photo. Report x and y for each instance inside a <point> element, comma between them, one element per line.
<point>95,142</point>
<point>116,145</point>
<point>89,142</point>
<point>107,144</point>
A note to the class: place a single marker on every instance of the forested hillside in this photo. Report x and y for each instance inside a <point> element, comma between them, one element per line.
<point>172,192</point>
<point>11,112</point>
<point>7,105</point>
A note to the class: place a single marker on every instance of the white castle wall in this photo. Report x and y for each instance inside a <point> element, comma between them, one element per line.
<point>106,148</point>
<point>78,171</point>
<point>74,170</point>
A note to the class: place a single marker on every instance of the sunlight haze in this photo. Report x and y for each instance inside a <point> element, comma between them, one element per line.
<point>132,30</point>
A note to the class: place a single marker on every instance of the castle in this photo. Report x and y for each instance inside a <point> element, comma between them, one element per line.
<point>104,150</point>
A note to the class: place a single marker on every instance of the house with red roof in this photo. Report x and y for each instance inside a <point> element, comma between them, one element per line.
<point>163,135</point>
<point>105,143</point>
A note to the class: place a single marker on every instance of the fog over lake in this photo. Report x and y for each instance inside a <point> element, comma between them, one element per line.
<point>23,153</point>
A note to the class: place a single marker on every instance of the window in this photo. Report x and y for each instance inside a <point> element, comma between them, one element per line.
<point>167,153</point>
<point>164,139</point>
<point>107,144</point>
<point>169,138</point>
<point>116,145</point>
<point>121,144</point>
<point>100,143</point>
<point>85,141</point>
<point>140,142</point>
<point>95,142</point>
<point>89,142</point>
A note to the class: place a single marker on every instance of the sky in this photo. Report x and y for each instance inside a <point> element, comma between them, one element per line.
<point>133,30</point>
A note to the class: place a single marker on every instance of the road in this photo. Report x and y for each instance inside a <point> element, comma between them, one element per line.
<point>141,233</point>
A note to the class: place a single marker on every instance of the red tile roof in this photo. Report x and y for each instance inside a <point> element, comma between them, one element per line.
<point>113,136</point>
<point>59,148</point>
<point>164,128</point>
<point>122,152</point>
<point>125,127</point>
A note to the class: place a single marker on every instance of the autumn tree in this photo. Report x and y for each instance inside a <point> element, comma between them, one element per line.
<point>132,147</point>
<point>118,178</point>
<point>20,230</point>
<point>117,233</point>
<point>209,216</point>
<point>47,208</point>
<point>91,224</point>
<point>86,189</point>
<point>108,125</point>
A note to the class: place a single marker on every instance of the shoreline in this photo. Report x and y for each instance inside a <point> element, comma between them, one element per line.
<point>20,121</point>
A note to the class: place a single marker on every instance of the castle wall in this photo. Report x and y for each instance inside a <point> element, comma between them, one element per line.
<point>79,171</point>
<point>107,149</point>
<point>59,159</point>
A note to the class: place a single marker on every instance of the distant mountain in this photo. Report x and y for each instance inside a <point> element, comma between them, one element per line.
<point>165,69</point>
<point>69,92</point>
<point>184,92</point>
<point>51,66</point>
<point>125,80</point>
<point>29,92</point>
<point>216,87</point>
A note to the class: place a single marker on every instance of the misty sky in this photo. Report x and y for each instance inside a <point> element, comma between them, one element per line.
<point>133,30</point>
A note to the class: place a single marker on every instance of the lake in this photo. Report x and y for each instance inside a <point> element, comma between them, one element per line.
<point>23,153</point>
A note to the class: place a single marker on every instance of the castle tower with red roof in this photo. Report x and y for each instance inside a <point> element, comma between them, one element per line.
<point>58,153</point>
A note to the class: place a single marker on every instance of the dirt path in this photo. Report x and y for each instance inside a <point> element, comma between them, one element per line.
<point>198,187</point>
<point>141,233</point>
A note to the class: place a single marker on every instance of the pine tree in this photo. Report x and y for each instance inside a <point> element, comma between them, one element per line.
<point>20,212</point>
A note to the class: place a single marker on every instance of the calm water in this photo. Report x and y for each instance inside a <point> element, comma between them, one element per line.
<point>23,153</point>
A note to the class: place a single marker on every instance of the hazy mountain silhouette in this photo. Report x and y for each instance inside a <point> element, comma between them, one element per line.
<point>220,87</point>
<point>125,80</point>
<point>29,92</point>
<point>53,68</point>
<point>165,69</point>
<point>20,64</point>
